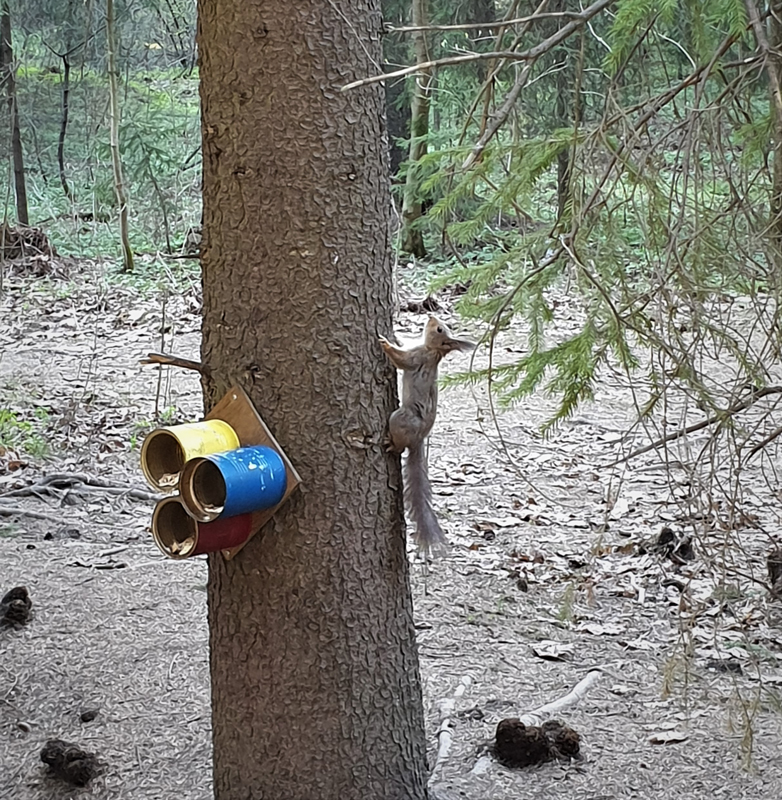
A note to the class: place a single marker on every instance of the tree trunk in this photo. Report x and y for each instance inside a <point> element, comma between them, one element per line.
<point>412,209</point>
<point>396,54</point>
<point>768,45</point>
<point>116,158</point>
<point>315,684</point>
<point>775,84</point>
<point>8,78</point>
<point>564,103</point>
<point>473,12</point>
<point>66,90</point>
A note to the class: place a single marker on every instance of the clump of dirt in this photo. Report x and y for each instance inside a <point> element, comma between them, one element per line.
<point>15,606</point>
<point>676,546</point>
<point>520,745</point>
<point>69,762</point>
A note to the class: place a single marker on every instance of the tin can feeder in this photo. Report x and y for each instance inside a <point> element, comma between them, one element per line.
<point>179,536</point>
<point>166,450</point>
<point>237,482</point>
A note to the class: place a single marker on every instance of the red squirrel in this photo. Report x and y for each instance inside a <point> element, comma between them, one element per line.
<point>410,424</point>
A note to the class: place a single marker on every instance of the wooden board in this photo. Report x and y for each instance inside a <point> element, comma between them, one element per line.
<point>238,411</point>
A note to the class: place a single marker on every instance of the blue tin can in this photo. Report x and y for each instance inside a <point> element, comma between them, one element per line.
<point>235,482</point>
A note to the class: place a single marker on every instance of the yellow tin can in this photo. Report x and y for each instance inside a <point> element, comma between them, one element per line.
<point>166,450</point>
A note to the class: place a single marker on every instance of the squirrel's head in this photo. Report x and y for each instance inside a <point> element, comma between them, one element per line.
<point>438,337</point>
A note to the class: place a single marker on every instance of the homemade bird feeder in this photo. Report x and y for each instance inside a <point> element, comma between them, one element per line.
<point>232,483</point>
<point>178,535</point>
<point>226,494</point>
<point>166,450</point>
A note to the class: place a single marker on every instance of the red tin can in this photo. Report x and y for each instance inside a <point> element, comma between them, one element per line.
<point>179,536</point>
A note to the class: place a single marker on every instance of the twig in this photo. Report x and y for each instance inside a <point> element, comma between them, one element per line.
<point>498,118</point>
<point>719,417</point>
<point>174,361</point>
<point>15,511</point>
<point>770,438</point>
<point>50,483</point>
<point>511,55</point>
<point>449,61</point>
<point>468,26</point>
<point>112,551</point>
<point>162,345</point>
<point>501,115</point>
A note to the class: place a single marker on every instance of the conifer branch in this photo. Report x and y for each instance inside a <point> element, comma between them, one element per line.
<point>510,55</point>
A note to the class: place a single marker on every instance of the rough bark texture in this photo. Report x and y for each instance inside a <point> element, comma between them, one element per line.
<point>315,684</point>
<point>8,81</point>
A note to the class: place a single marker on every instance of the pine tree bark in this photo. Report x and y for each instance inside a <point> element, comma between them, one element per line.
<point>8,80</point>
<point>315,684</point>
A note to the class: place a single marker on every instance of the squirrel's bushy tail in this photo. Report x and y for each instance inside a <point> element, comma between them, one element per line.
<point>428,535</point>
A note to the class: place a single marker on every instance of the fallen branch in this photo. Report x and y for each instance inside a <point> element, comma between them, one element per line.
<point>15,511</point>
<point>444,732</point>
<point>536,716</point>
<point>577,693</point>
<point>60,481</point>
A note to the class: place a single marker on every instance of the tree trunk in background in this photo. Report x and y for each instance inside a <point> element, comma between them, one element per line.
<point>564,103</point>
<point>473,12</point>
<point>775,66</point>
<point>8,80</point>
<point>66,90</point>
<point>315,684</point>
<point>116,158</point>
<point>396,54</point>
<point>412,238</point>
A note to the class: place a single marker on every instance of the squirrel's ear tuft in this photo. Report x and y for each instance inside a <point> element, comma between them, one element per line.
<point>463,345</point>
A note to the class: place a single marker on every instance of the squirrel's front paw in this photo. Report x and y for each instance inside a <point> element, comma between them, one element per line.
<point>388,444</point>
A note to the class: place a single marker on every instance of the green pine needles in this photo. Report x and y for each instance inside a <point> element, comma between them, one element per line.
<point>652,205</point>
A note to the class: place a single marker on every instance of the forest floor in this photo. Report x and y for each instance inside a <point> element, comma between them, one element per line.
<point>556,569</point>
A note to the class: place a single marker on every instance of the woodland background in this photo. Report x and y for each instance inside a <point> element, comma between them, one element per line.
<point>597,188</point>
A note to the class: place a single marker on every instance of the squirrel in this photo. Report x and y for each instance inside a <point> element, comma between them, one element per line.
<point>410,424</point>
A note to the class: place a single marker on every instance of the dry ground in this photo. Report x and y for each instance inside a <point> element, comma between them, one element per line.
<point>688,700</point>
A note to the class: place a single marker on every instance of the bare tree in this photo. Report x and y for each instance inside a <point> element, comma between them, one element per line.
<point>116,157</point>
<point>8,79</point>
<point>412,238</point>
